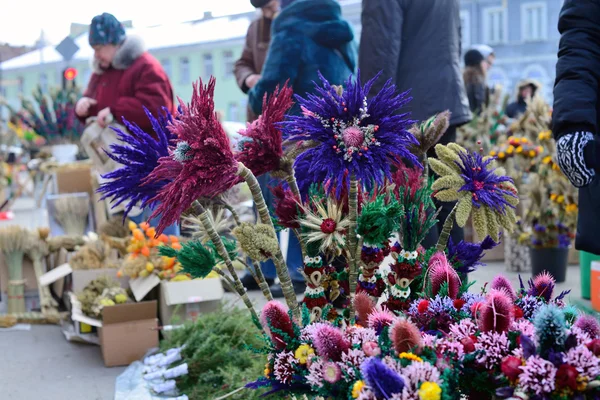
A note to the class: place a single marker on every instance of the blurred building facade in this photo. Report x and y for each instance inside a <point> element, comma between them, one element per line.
<point>523,33</point>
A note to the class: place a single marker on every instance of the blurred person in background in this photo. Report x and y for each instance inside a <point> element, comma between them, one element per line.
<point>526,89</point>
<point>576,114</point>
<point>475,77</point>
<point>247,72</point>
<point>125,79</point>
<point>416,44</point>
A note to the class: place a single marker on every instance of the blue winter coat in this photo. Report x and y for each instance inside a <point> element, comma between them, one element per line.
<point>307,37</point>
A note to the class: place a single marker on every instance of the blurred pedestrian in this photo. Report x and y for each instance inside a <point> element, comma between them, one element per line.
<point>309,36</point>
<point>416,44</point>
<point>125,79</point>
<point>475,77</point>
<point>576,114</point>
<point>526,90</point>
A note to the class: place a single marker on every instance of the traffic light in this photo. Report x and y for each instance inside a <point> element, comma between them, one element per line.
<point>69,75</point>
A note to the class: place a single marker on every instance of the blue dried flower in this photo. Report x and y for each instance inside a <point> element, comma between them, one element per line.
<point>381,379</point>
<point>355,136</point>
<point>539,228</point>
<point>550,326</point>
<point>529,305</point>
<point>465,256</point>
<point>138,157</point>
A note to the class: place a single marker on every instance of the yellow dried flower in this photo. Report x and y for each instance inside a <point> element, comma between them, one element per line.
<point>532,153</point>
<point>547,160</point>
<point>357,388</point>
<point>303,352</point>
<point>560,199</point>
<point>430,391</point>
<point>519,149</point>
<point>501,155</point>
<point>553,196</point>
<point>493,153</point>
<point>571,208</point>
<point>410,356</point>
<point>510,149</point>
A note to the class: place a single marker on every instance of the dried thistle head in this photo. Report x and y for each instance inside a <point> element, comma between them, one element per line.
<point>258,241</point>
<point>428,133</point>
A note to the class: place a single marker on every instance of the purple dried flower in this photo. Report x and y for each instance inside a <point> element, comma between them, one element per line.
<point>465,257</point>
<point>494,347</point>
<point>586,363</point>
<point>381,379</point>
<point>524,326</point>
<point>501,282</point>
<point>355,136</point>
<point>589,325</point>
<point>330,342</point>
<point>542,285</point>
<point>529,304</point>
<point>528,346</point>
<point>315,374</point>
<point>564,241</point>
<point>538,376</point>
<point>138,153</point>
<point>470,299</point>
<point>539,228</point>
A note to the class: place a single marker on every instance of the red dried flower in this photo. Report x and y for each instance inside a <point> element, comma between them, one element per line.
<point>441,272</point>
<point>364,305</point>
<point>286,207</point>
<point>594,347</point>
<point>423,306</point>
<point>458,303</point>
<point>566,377</point>
<point>468,344</point>
<point>405,336</point>
<point>262,152</point>
<point>518,312</point>
<point>497,313</point>
<point>202,164</point>
<point>511,367</point>
<point>476,307</point>
<point>275,315</point>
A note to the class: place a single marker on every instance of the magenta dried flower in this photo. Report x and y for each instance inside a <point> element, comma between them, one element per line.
<point>275,315</point>
<point>497,313</point>
<point>379,319</point>
<point>359,335</point>
<point>501,282</point>
<point>284,366</point>
<point>405,336</point>
<point>580,335</point>
<point>441,272</point>
<point>525,327</point>
<point>315,374</point>
<point>330,342</point>
<point>586,363</point>
<point>538,376</point>
<point>364,306</point>
<point>543,286</point>
<point>589,325</point>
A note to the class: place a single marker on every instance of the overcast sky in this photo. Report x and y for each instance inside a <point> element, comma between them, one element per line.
<point>55,16</point>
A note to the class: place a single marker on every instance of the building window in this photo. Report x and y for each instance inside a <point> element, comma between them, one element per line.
<point>233,112</point>
<point>229,63</point>
<point>184,70</point>
<point>465,29</point>
<point>534,19</point>
<point>495,29</point>
<point>43,82</point>
<point>208,65</point>
<point>20,85</point>
<point>166,64</point>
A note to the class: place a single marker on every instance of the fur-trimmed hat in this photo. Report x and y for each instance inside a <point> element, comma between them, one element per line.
<point>106,29</point>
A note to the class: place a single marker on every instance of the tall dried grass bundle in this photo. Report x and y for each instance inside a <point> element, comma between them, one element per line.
<point>13,243</point>
<point>37,250</point>
<point>72,214</point>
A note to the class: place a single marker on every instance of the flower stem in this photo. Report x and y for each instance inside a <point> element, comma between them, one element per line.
<point>291,181</point>
<point>445,234</point>
<point>352,242</point>
<point>282,271</point>
<point>218,242</point>
<point>234,214</point>
<point>259,277</point>
<point>16,284</point>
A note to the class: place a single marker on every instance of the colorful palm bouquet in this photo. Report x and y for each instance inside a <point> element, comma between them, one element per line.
<point>379,308</point>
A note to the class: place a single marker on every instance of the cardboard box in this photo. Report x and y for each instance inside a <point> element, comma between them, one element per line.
<point>74,178</point>
<point>128,331</point>
<point>186,300</point>
<point>81,277</point>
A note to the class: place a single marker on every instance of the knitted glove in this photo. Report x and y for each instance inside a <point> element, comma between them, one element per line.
<point>571,152</point>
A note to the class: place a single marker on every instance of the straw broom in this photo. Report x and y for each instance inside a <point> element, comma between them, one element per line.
<point>13,243</point>
<point>38,249</point>
<point>72,214</point>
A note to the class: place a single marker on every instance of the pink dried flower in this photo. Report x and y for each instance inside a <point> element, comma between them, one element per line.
<point>332,372</point>
<point>464,329</point>
<point>284,366</point>
<point>263,152</point>
<point>494,346</point>
<point>405,336</point>
<point>352,360</point>
<point>428,340</point>
<point>589,325</point>
<point>416,373</point>
<point>202,165</point>
<point>379,319</point>
<point>544,285</point>
<point>586,363</point>
<point>538,375</point>
<point>307,333</point>
<point>275,315</point>
<point>330,342</point>
<point>524,326</point>
<point>445,347</point>
<point>497,314</point>
<point>581,336</point>
<point>315,374</point>
<point>501,282</point>
<point>360,335</point>
<point>364,306</point>
<point>371,349</point>
<point>440,272</point>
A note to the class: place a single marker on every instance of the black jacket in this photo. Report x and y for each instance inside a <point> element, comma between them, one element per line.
<point>517,108</point>
<point>577,102</point>
<point>417,44</point>
<point>477,90</point>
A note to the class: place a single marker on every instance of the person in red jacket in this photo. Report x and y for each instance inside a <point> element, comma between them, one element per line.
<point>125,79</point>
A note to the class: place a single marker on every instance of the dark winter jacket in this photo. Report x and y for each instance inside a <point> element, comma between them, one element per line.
<point>477,90</point>
<point>135,79</point>
<point>577,101</point>
<point>308,36</point>
<point>518,107</point>
<point>417,44</point>
<point>253,56</point>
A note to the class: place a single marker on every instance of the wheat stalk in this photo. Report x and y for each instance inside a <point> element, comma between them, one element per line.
<point>72,214</point>
<point>13,243</point>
